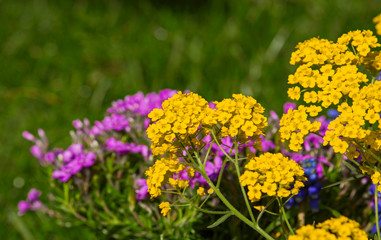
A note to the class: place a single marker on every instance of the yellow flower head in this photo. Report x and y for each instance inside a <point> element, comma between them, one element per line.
<point>332,229</point>
<point>272,174</point>
<point>242,116</point>
<point>165,208</point>
<point>179,122</point>
<point>162,172</point>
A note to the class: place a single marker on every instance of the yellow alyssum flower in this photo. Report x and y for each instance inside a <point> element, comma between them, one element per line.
<point>331,229</point>
<point>201,191</point>
<point>294,125</point>
<point>178,123</point>
<point>162,172</point>
<point>272,174</point>
<point>165,208</point>
<point>241,116</point>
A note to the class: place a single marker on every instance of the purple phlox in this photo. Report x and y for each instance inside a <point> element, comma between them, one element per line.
<point>123,148</point>
<point>39,146</point>
<point>74,159</point>
<point>212,105</point>
<point>146,123</point>
<point>37,152</point>
<point>267,145</point>
<point>141,189</point>
<point>314,140</point>
<point>31,204</point>
<point>274,116</point>
<point>140,104</point>
<point>28,136</point>
<point>115,122</point>
<point>287,106</point>
<point>82,126</point>
<point>323,126</point>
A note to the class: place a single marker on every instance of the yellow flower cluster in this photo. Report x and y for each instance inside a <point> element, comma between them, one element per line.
<point>272,174</point>
<point>201,191</point>
<point>348,128</point>
<point>242,116</point>
<point>179,120</point>
<point>162,172</point>
<point>332,229</point>
<point>377,21</point>
<point>328,74</point>
<point>295,125</point>
<point>165,208</point>
<point>376,179</point>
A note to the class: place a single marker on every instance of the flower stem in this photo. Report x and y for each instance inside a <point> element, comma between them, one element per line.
<point>376,211</point>
<point>285,216</point>
<point>239,215</point>
<point>239,176</point>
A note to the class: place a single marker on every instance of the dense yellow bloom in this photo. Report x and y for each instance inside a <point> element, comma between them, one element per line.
<point>348,128</point>
<point>295,126</point>
<point>332,229</point>
<point>272,174</point>
<point>165,208</point>
<point>329,76</point>
<point>161,173</point>
<point>242,116</point>
<point>201,191</point>
<point>178,123</point>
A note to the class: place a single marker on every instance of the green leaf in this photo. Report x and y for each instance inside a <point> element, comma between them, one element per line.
<point>220,220</point>
<point>343,181</point>
<point>334,212</point>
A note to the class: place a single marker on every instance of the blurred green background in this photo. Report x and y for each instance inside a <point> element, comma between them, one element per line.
<point>63,60</point>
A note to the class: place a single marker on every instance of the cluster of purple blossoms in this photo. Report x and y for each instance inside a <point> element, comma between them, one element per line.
<point>122,132</point>
<point>31,204</point>
<point>74,159</point>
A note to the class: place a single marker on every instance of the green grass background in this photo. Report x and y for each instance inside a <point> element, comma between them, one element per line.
<point>63,60</point>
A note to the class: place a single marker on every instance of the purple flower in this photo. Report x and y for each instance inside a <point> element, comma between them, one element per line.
<point>32,203</point>
<point>41,133</point>
<point>33,195</point>
<point>74,159</point>
<point>141,189</point>
<point>23,207</point>
<point>28,136</point>
<point>77,124</point>
<point>274,116</point>
<point>287,106</point>
<point>50,157</point>
<point>37,152</point>
<point>267,145</point>
<point>63,175</point>
<point>123,148</point>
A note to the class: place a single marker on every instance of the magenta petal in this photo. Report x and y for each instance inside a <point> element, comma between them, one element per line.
<point>33,195</point>
<point>23,207</point>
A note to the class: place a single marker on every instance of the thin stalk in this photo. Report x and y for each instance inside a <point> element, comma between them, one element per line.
<point>285,216</point>
<point>221,171</point>
<point>239,176</point>
<point>376,211</point>
<point>208,152</point>
<point>239,215</point>
<point>215,138</point>
<point>264,210</point>
<point>204,210</point>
